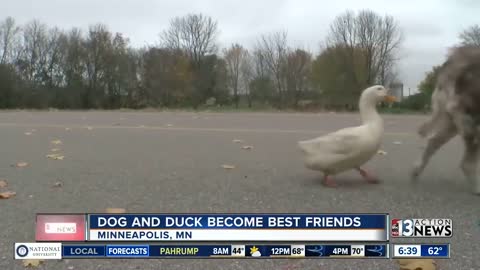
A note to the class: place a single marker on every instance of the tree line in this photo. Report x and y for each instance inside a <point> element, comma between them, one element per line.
<point>48,67</point>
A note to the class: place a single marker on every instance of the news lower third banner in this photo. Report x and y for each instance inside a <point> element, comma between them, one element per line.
<point>212,227</point>
<point>111,251</point>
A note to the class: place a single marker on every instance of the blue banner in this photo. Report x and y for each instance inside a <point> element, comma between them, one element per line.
<point>435,251</point>
<point>85,251</point>
<point>127,251</point>
<point>237,221</point>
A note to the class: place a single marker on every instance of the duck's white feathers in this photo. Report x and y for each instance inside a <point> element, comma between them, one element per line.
<point>341,150</point>
<point>341,142</point>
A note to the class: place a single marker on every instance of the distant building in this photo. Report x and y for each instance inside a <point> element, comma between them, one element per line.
<point>396,89</point>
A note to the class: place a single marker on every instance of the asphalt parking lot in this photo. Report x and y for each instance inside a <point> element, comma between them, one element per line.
<point>169,162</point>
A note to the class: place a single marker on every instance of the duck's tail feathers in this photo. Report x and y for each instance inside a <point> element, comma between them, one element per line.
<point>303,145</point>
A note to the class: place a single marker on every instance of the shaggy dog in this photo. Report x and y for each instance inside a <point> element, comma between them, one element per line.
<point>455,110</point>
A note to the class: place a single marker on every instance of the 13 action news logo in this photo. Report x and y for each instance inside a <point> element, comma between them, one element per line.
<point>437,227</point>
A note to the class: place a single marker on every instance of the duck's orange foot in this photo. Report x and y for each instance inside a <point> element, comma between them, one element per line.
<point>368,177</point>
<point>329,182</point>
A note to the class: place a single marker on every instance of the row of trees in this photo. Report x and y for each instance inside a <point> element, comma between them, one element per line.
<point>44,67</point>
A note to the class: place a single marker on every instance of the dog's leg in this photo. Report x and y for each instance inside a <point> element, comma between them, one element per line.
<point>444,132</point>
<point>469,163</point>
<point>438,99</point>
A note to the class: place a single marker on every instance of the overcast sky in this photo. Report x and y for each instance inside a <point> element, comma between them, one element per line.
<point>429,26</point>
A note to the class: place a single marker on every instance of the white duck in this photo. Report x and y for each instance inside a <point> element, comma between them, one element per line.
<point>349,148</point>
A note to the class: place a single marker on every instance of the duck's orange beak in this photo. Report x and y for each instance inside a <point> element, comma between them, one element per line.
<point>390,99</point>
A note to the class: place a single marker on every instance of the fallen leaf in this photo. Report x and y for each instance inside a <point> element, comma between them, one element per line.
<point>381,152</point>
<point>7,194</point>
<point>228,167</point>
<point>67,129</point>
<point>415,264</point>
<point>3,183</point>
<point>56,142</point>
<point>32,263</point>
<point>28,133</point>
<point>397,142</point>
<point>55,156</point>
<point>115,210</point>
<point>89,128</point>
<point>58,184</point>
<point>247,147</point>
<point>169,125</point>
<point>54,149</point>
<point>237,141</point>
<point>21,164</point>
<point>70,267</point>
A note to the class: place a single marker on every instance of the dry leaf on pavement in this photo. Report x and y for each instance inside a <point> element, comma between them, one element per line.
<point>54,150</point>
<point>381,152</point>
<point>228,167</point>
<point>56,142</point>
<point>28,133</point>
<point>21,164</point>
<point>55,156</point>
<point>7,194</point>
<point>3,183</point>
<point>237,141</point>
<point>32,263</point>
<point>247,147</point>
<point>89,128</point>
<point>58,184</point>
<point>414,264</point>
<point>115,210</point>
<point>67,129</point>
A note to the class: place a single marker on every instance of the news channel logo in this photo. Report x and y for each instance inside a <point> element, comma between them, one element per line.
<point>44,251</point>
<point>434,227</point>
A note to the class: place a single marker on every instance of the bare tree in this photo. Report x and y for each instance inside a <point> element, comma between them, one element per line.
<point>8,36</point>
<point>51,61</point>
<point>298,68</point>
<point>377,37</point>
<point>97,44</point>
<point>273,49</point>
<point>471,36</point>
<point>34,51</point>
<point>260,68</point>
<point>234,58</point>
<point>247,75</point>
<point>194,33</point>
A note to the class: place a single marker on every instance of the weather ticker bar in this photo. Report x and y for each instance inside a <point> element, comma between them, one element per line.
<point>225,251</point>
<point>55,251</point>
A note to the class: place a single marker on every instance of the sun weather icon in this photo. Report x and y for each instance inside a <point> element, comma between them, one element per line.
<point>255,252</point>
